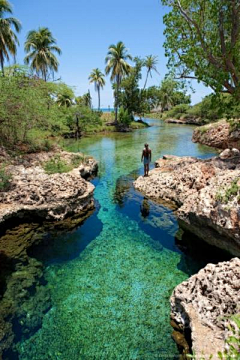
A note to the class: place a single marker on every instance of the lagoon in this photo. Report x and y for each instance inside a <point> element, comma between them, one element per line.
<point>110,280</point>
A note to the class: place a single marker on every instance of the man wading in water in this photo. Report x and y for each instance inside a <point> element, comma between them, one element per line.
<point>146,158</point>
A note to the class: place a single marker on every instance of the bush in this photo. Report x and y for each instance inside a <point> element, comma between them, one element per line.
<point>177,111</point>
<point>123,117</point>
<point>56,165</point>
<point>4,179</point>
<point>231,191</point>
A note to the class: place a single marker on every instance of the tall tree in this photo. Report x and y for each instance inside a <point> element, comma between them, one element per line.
<point>203,42</point>
<point>8,38</point>
<point>97,77</point>
<point>150,63</point>
<point>40,47</point>
<point>117,65</point>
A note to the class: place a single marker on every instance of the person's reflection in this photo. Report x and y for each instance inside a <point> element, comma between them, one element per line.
<point>145,208</point>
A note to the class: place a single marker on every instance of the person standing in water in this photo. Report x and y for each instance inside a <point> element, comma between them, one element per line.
<point>146,158</point>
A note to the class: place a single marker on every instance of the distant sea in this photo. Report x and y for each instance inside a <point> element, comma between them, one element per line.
<point>105,110</point>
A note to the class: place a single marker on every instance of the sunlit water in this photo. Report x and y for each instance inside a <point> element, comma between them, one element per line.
<point>111,279</point>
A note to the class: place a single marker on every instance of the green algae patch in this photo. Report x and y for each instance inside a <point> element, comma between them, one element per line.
<point>112,302</point>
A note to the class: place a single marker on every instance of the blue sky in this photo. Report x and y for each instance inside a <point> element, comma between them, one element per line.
<point>85,28</point>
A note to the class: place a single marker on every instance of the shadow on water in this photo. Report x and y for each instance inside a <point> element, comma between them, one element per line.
<point>159,222</point>
<point>55,249</point>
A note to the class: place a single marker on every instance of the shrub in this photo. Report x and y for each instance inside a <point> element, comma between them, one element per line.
<point>231,191</point>
<point>4,179</point>
<point>56,165</point>
<point>123,117</point>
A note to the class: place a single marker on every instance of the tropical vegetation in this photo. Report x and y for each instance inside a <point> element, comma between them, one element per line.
<point>97,77</point>
<point>151,64</point>
<point>118,67</point>
<point>40,47</point>
<point>203,42</point>
<point>8,37</point>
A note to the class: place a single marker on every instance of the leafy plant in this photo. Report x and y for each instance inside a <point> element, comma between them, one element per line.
<point>231,191</point>
<point>4,179</point>
<point>56,165</point>
<point>124,117</point>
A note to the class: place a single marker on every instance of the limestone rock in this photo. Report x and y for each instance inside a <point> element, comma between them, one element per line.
<point>35,193</point>
<point>203,304</point>
<point>203,190</point>
<point>217,135</point>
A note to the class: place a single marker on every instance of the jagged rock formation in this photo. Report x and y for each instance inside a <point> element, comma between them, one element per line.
<point>217,135</point>
<point>66,199</point>
<point>34,193</point>
<point>206,193</point>
<point>202,306</point>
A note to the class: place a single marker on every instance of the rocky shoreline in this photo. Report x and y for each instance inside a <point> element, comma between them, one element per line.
<point>218,135</point>
<point>206,194</point>
<point>33,193</point>
<point>202,306</point>
<point>35,205</point>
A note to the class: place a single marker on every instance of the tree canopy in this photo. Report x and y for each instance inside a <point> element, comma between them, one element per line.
<point>203,42</point>
<point>40,47</point>
<point>8,38</point>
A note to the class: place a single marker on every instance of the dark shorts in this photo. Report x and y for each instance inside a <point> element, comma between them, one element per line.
<point>146,161</point>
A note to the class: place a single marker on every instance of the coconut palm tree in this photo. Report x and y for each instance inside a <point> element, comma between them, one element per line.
<point>116,64</point>
<point>150,63</point>
<point>8,38</point>
<point>40,47</point>
<point>97,77</point>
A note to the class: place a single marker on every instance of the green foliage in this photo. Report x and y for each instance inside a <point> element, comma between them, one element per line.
<point>177,111</point>
<point>4,178</point>
<point>203,41</point>
<point>77,160</point>
<point>169,94</point>
<point>56,165</point>
<point>118,67</point>
<point>86,118</point>
<point>123,117</point>
<point>233,343</point>
<point>40,47</point>
<point>9,40</point>
<point>232,191</point>
<point>97,77</point>
<point>131,97</point>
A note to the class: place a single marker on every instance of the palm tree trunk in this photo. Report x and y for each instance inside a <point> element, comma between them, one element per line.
<point>2,65</point>
<point>146,80</point>
<point>116,99</point>
<point>98,98</point>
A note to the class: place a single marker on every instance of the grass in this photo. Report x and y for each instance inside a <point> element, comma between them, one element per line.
<point>56,165</point>
<point>231,192</point>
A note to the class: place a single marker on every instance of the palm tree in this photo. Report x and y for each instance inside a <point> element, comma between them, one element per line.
<point>150,63</point>
<point>40,46</point>
<point>97,77</point>
<point>118,66</point>
<point>64,100</point>
<point>8,38</point>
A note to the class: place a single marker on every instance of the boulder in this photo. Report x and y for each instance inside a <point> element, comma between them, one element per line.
<point>206,193</point>
<point>34,193</point>
<point>201,307</point>
<point>217,135</point>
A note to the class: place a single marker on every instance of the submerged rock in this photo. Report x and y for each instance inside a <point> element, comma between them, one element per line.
<point>218,135</point>
<point>201,307</point>
<point>206,192</point>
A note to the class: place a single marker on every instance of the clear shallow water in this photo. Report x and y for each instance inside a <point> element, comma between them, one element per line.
<point>110,280</point>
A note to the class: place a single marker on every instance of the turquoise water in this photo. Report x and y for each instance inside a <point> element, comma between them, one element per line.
<point>111,279</point>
